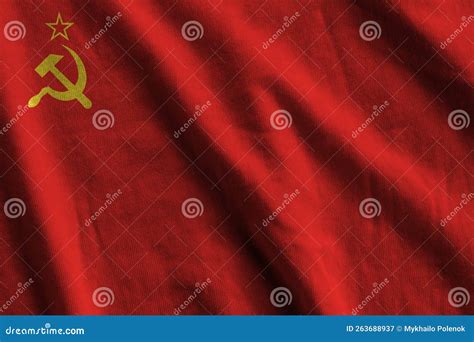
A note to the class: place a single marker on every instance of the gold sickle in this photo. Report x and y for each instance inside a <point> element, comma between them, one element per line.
<point>73,92</point>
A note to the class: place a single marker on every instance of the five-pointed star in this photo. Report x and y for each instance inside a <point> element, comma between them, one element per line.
<point>59,27</point>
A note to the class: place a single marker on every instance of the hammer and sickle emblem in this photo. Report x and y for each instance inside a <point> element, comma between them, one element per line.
<point>73,91</point>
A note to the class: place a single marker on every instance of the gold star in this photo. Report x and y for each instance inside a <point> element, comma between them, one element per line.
<point>58,31</point>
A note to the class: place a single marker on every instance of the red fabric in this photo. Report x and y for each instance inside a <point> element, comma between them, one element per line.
<point>319,246</point>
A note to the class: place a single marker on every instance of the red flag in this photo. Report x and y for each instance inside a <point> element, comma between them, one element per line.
<point>213,157</point>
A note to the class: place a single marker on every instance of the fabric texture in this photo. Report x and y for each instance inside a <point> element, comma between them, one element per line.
<point>236,157</point>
